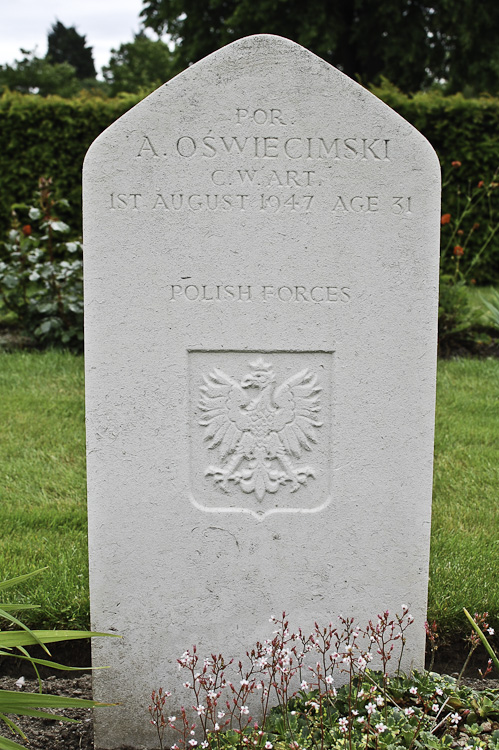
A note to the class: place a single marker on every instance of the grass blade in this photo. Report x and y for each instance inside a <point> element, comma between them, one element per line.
<point>483,639</point>
<point>14,620</point>
<point>51,664</point>
<point>19,579</point>
<point>6,744</point>
<point>12,701</point>
<point>10,638</point>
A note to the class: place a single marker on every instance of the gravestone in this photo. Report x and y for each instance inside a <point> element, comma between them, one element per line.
<point>261,278</point>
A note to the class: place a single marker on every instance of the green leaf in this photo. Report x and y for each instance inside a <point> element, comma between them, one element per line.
<point>47,663</point>
<point>9,583</point>
<point>10,281</point>
<point>11,638</point>
<point>483,639</point>
<point>6,744</point>
<point>12,701</point>
<point>59,226</point>
<point>13,619</point>
<point>34,213</point>
<point>13,726</point>
<point>18,607</point>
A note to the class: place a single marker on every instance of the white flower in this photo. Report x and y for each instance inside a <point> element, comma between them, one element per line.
<point>221,714</point>
<point>439,691</point>
<point>404,607</point>
<point>435,708</point>
<point>172,719</point>
<point>244,682</point>
<point>204,744</point>
<point>268,746</point>
<point>370,708</point>
<point>413,690</point>
<point>193,743</point>
<point>343,722</point>
<point>491,631</point>
<point>20,682</point>
<point>380,727</point>
<point>187,685</point>
<point>410,618</point>
<point>217,727</point>
<point>455,718</point>
<point>380,701</point>
<point>409,711</point>
<point>244,710</point>
<point>329,679</point>
<point>361,720</point>
<point>200,709</point>
<point>304,685</point>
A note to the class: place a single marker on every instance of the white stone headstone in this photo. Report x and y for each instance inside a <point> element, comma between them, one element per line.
<point>261,276</point>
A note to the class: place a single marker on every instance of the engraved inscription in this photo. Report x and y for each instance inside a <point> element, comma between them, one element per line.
<point>273,203</point>
<point>258,428</point>
<point>274,147</point>
<point>253,292</point>
<point>243,159</point>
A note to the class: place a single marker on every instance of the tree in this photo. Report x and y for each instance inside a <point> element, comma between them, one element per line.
<point>66,45</point>
<point>413,43</point>
<point>36,75</point>
<point>143,63</point>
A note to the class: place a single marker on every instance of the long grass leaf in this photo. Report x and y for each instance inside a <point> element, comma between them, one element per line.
<point>6,744</point>
<point>33,664</point>
<point>13,726</point>
<point>14,581</point>
<point>51,664</point>
<point>12,701</point>
<point>18,607</point>
<point>14,620</point>
<point>10,638</point>
<point>485,642</point>
<point>35,714</point>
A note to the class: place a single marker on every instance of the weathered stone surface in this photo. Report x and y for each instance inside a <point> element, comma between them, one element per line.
<point>261,276</point>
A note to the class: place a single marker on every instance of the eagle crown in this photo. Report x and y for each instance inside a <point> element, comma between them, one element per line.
<point>262,375</point>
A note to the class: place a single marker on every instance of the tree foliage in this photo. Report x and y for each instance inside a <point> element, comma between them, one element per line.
<point>413,43</point>
<point>36,75</point>
<point>143,63</point>
<point>66,45</point>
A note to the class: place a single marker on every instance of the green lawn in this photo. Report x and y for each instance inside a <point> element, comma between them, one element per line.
<point>42,487</point>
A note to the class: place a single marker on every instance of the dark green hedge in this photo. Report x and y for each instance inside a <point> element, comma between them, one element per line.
<point>49,137</point>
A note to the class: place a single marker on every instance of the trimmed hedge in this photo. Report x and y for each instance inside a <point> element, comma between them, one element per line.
<point>49,137</point>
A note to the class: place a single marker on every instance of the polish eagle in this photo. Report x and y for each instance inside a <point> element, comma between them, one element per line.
<point>259,427</point>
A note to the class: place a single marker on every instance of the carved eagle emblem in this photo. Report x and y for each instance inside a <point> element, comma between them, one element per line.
<point>259,427</point>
